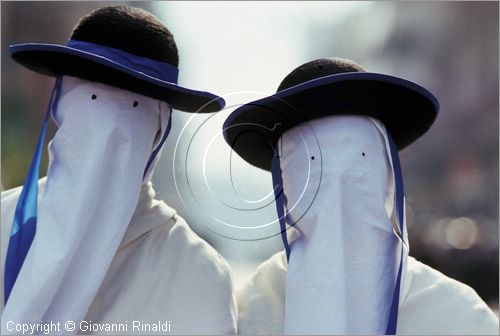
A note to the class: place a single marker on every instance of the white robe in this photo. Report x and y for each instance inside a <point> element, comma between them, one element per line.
<point>162,272</point>
<point>432,303</point>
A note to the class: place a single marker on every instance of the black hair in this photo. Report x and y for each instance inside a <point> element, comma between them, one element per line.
<point>130,29</point>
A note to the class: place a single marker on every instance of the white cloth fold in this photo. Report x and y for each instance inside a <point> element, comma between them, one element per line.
<point>162,271</point>
<point>338,181</point>
<point>432,303</point>
<point>97,160</point>
<point>149,214</point>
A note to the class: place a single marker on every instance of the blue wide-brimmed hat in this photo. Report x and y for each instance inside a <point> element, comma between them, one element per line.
<point>325,87</point>
<point>122,46</point>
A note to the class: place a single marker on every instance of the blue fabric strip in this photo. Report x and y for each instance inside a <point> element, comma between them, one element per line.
<point>156,69</point>
<point>280,201</point>
<point>160,145</point>
<point>398,176</point>
<point>24,224</point>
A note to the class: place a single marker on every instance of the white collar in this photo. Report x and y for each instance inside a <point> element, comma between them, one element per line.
<point>149,214</point>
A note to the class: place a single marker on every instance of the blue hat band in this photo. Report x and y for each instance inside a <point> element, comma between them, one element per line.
<point>153,68</point>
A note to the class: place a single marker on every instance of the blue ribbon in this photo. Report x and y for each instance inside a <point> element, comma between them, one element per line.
<point>24,224</point>
<point>160,145</point>
<point>398,177</point>
<point>150,67</point>
<point>279,197</point>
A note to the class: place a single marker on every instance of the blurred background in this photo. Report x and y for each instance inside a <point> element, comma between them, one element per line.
<point>242,51</point>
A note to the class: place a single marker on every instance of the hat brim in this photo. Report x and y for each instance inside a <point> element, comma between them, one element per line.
<point>57,60</point>
<point>405,108</point>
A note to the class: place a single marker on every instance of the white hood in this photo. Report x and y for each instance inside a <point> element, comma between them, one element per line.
<point>98,160</point>
<point>339,187</point>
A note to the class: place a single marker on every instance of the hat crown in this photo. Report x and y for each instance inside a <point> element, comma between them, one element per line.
<point>318,68</point>
<point>129,29</point>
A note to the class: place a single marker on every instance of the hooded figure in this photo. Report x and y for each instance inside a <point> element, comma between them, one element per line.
<point>99,250</point>
<point>330,137</point>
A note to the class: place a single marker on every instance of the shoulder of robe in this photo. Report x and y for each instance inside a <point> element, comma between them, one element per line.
<point>268,279</point>
<point>437,304</point>
<point>207,267</point>
<point>198,261</point>
<point>9,194</point>
<point>196,249</point>
<point>8,201</point>
<point>261,298</point>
